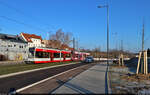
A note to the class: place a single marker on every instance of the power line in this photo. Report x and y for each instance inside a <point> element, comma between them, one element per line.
<point>22,23</point>
<point>10,7</point>
<point>15,9</point>
<point>21,12</point>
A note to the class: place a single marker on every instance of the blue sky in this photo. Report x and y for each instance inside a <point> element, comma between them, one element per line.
<point>82,18</point>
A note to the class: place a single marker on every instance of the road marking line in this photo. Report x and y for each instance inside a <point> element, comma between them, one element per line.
<point>21,89</point>
<point>27,71</point>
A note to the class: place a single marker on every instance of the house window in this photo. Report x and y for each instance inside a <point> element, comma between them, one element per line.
<point>20,46</point>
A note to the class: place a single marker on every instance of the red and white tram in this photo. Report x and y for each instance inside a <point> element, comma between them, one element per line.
<point>47,55</point>
<point>79,56</point>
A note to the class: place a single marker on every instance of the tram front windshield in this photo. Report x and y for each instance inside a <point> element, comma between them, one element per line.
<point>31,52</point>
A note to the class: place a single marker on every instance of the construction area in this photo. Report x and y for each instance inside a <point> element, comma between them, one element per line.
<point>131,76</point>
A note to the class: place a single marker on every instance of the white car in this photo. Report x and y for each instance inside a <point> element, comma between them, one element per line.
<point>89,59</point>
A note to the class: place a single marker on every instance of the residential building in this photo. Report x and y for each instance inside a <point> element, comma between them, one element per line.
<point>13,47</point>
<point>33,40</point>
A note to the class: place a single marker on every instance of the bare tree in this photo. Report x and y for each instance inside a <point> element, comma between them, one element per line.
<point>67,38</point>
<point>60,38</point>
<point>60,35</point>
<point>97,52</point>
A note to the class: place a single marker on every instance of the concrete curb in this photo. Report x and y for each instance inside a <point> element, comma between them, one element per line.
<point>27,71</point>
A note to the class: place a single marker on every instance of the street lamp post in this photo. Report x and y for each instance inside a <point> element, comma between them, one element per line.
<point>107,6</point>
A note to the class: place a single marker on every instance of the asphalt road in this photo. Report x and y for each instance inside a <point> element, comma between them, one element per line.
<point>22,80</point>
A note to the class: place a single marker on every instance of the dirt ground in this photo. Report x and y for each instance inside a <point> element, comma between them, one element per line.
<point>125,82</point>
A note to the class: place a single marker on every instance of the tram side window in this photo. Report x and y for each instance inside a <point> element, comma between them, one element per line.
<point>46,55</point>
<point>62,55</point>
<point>68,55</point>
<point>39,54</point>
<point>77,55</point>
<point>56,55</point>
<point>80,56</point>
<point>42,54</point>
<point>84,55</point>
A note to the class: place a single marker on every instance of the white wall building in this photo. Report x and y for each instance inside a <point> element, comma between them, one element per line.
<point>13,47</point>
<point>33,40</point>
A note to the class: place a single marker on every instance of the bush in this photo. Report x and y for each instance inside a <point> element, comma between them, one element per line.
<point>3,57</point>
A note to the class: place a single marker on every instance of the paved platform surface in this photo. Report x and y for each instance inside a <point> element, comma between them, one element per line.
<point>91,81</point>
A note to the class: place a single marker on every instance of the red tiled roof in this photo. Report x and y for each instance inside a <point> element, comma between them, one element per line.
<point>29,36</point>
<point>71,48</point>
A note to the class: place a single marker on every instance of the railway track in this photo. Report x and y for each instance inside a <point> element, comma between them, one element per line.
<point>22,80</point>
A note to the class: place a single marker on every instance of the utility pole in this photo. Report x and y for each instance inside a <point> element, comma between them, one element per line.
<point>116,45</point>
<point>143,37</point>
<point>142,58</point>
<point>121,46</point>
<point>107,6</point>
<point>74,43</point>
<point>115,35</point>
<point>107,33</point>
<point>142,61</point>
<point>77,45</point>
<point>73,51</point>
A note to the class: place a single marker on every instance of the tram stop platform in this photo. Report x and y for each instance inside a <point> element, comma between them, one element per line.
<point>91,81</point>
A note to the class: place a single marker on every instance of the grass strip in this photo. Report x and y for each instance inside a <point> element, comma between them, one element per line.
<point>7,69</point>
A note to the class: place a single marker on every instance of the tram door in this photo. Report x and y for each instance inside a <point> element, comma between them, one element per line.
<point>52,56</point>
<point>64,55</point>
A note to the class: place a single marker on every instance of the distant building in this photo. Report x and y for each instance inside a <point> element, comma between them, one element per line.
<point>65,47</point>
<point>33,40</point>
<point>56,44</point>
<point>13,47</point>
<point>46,43</point>
<point>52,43</point>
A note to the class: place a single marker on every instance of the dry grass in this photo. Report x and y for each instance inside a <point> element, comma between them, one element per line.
<point>7,69</point>
<point>135,77</point>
